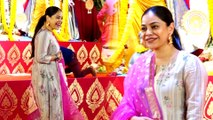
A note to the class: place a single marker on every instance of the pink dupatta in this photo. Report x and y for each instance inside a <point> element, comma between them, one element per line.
<point>139,96</point>
<point>70,110</point>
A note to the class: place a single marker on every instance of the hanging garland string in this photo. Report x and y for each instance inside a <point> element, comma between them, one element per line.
<point>64,32</point>
<point>210,4</point>
<point>12,15</point>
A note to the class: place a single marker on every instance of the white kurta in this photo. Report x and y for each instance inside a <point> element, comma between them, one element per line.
<point>45,77</point>
<point>180,88</point>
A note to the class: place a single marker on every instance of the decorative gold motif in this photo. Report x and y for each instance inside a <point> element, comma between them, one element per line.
<point>13,55</point>
<point>82,54</point>
<point>83,113</point>
<point>2,54</point>
<point>29,69</point>
<point>4,69</point>
<point>208,108</point>
<point>28,103</point>
<point>94,54</point>
<point>209,90</point>
<point>113,97</point>
<point>8,101</point>
<point>102,115</point>
<point>19,69</point>
<point>17,117</point>
<point>76,92</point>
<point>85,65</point>
<point>95,95</point>
<point>195,22</point>
<point>89,4</point>
<point>26,54</point>
<point>71,47</point>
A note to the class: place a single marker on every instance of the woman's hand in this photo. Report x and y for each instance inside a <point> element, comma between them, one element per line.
<point>59,55</point>
<point>140,118</point>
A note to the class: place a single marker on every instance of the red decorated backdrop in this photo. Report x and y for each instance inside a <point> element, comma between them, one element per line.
<point>15,56</point>
<point>96,97</point>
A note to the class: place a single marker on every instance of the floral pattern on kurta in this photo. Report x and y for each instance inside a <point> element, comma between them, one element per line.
<point>179,89</point>
<point>45,77</point>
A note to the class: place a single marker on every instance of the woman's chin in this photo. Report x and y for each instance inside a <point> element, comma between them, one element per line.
<point>151,47</point>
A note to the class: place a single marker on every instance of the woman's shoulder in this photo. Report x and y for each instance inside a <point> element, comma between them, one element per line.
<point>189,59</point>
<point>188,56</point>
<point>44,31</point>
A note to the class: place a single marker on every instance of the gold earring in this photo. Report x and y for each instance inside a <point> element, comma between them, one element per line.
<point>47,24</point>
<point>170,40</point>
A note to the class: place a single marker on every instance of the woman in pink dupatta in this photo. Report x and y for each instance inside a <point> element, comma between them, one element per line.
<point>48,79</point>
<point>165,83</point>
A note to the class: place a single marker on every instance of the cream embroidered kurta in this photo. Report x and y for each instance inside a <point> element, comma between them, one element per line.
<point>180,88</point>
<point>45,77</point>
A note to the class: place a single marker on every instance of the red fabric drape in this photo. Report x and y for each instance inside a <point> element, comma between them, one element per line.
<point>87,23</point>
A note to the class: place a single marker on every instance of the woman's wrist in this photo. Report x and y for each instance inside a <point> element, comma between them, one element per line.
<point>56,57</point>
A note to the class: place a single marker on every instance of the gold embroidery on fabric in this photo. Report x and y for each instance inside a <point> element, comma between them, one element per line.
<point>19,69</point>
<point>26,54</point>
<point>113,97</point>
<point>209,90</point>
<point>102,115</point>
<point>2,54</point>
<point>85,65</point>
<point>4,69</point>
<point>71,47</point>
<point>95,95</point>
<point>28,102</point>
<point>82,54</point>
<point>94,54</point>
<point>17,117</point>
<point>76,92</point>
<point>13,55</point>
<point>84,114</point>
<point>208,108</point>
<point>29,69</point>
<point>8,101</point>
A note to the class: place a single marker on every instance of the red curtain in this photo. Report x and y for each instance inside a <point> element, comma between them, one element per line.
<point>87,23</point>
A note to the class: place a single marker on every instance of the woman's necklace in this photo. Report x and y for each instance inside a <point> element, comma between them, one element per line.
<point>162,65</point>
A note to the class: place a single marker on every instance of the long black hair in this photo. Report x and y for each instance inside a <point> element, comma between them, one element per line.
<point>165,15</point>
<point>50,11</point>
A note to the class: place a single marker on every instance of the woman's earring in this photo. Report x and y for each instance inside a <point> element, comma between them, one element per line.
<point>170,40</point>
<point>47,24</point>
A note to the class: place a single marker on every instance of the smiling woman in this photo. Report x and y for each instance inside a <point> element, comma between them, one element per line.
<point>47,79</point>
<point>163,82</point>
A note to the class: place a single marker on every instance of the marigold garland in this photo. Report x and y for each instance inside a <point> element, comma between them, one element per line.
<point>51,2</point>
<point>210,4</point>
<point>12,8</point>
<point>64,32</point>
<point>122,16</point>
<point>39,10</point>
